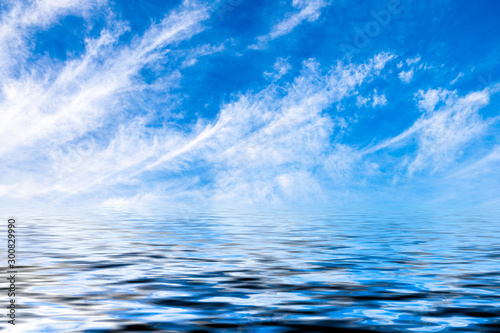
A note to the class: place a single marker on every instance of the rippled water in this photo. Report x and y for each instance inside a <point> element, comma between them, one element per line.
<point>265,270</point>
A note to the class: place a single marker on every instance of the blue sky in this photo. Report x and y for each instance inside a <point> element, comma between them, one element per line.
<point>122,102</point>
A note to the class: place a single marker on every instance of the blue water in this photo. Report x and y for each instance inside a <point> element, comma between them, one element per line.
<point>259,270</point>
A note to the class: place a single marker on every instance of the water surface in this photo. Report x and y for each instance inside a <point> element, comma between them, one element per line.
<point>259,270</point>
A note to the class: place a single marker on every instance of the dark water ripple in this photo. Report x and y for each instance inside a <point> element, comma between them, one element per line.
<point>260,271</point>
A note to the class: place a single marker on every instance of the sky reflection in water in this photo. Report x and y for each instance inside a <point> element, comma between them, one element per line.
<point>265,270</point>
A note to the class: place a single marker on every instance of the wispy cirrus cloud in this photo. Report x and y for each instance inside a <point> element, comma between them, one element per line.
<point>440,134</point>
<point>50,108</point>
<point>109,124</point>
<point>262,146</point>
<point>270,146</point>
<point>307,11</point>
<point>67,103</point>
<point>261,139</point>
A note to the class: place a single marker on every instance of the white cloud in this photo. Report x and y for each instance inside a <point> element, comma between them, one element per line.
<point>456,79</point>
<point>80,127</point>
<point>378,99</point>
<point>50,109</point>
<point>441,134</point>
<point>412,61</point>
<point>281,67</point>
<point>262,147</point>
<point>77,98</point>
<point>362,101</point>
<point>308,11</point>
<point>20,19</point>
<point>406,76</point>
<point>375,98</point>
<point>201,51</point>
<point>486,164</point>
<point>381,59</point>
<point>271,141</point>
<point>427,100</point>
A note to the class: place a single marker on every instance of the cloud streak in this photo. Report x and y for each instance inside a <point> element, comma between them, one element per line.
<point>307,11</point>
